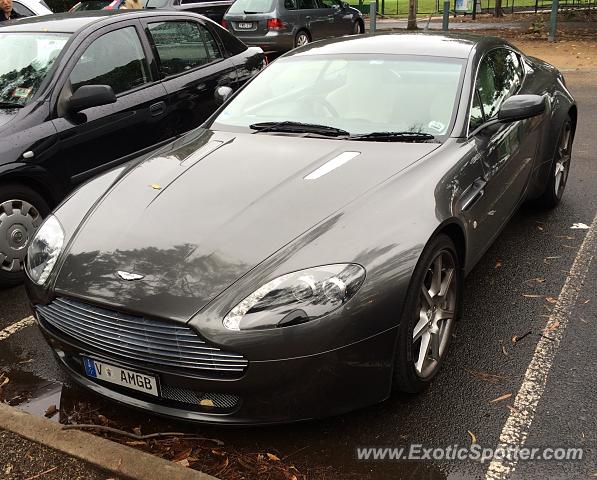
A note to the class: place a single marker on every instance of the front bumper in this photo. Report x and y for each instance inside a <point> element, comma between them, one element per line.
<point>276,391</point>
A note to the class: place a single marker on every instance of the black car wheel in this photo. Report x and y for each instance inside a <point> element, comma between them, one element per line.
<point>357,28</point>
<point>21,213</point>
<point>302,38</point>
<point>558,175</point>
<point>431,308</point>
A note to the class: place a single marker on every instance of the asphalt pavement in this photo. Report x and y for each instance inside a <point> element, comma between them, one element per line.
<point>512,292</point>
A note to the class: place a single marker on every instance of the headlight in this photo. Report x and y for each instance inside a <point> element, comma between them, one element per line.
<point>297,297</point>
<point>44,249</point>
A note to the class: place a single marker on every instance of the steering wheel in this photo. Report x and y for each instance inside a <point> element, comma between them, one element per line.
<point>322,102</point>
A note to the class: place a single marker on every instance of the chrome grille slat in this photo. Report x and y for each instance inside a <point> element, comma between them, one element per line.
<point>156,356</point>
<point>139,339</point>
<point>172,342</point>
<point>128,324</point>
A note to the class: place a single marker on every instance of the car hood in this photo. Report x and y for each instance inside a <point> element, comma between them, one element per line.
<point>195,218</point>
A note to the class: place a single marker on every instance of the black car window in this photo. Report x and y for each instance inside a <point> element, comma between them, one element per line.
<point>22,9</point>
<point>326,3</point>
<point>476,116</point>
<point>497,79</point>
<point>114,59</point>
<point>306,4</point>
<point>181,45</point>
<point>289,5</point>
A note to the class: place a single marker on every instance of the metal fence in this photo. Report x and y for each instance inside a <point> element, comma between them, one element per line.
<point>426,7</point>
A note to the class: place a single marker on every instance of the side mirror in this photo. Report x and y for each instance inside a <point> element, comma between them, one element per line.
<point>519,107</point>
<point>345,5</point>
<point>222,94</point>
<point>89,96</point>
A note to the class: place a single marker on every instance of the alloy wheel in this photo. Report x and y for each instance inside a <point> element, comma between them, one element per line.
<point>18,222</point>
<point>562,166</point>
<point>436,314</point>
<point>302,39</point>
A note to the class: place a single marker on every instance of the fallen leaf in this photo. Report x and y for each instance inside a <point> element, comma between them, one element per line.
<point>51,411</point>
<point>531,295</point>
<point>156,186</point>
<point>103,420</point>
<point>582,226</point>
<point>206,402</point>
<point>504,350</point>
<point>182,455</point>
<point>551,299</point>
<point>273,457</point>
<point>512,409</point>
<point>8,469</point>
<point>498,264</point>
<point>183,463</point>
<point>473,437</point>
<point>499,399</point>
<point>539,227</point>
<point>553,327</point>
<point>516,338</point>
<point>137,430</point>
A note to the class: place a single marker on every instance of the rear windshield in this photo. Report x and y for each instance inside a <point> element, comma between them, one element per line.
<point>252,6</point>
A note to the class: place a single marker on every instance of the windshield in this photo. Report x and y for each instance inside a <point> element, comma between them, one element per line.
<point>355,93</point>
<point>252,6</point>
<point>26,58</point>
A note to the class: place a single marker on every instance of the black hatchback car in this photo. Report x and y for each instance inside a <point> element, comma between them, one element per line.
<point>214,9</point>
<point>83,92</point>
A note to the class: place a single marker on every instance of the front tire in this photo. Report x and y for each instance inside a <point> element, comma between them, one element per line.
<point>560,168</point>
<point>357,28</point>
<point>430,311</point>
<point>22,211</point>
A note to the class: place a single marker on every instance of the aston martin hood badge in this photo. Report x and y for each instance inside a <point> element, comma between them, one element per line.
<point>129,276</point>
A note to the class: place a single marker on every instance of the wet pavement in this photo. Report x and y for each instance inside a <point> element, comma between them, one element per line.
<point>509,293</point>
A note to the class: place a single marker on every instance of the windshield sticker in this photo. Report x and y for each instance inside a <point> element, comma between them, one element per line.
<point>21,92</point>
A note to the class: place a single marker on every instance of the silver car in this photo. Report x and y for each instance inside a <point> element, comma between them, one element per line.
<point>280,25</point>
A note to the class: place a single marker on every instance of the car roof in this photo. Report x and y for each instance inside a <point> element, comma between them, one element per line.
<point>453,45</point>
<point>71,22</point>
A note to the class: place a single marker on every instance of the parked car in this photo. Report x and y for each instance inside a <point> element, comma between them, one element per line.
<point>100,5</point>
<point>213,10</point>
<point>31,8</point>
<point>280,25</point>
<point>303,252</point>
<point>83,92</point>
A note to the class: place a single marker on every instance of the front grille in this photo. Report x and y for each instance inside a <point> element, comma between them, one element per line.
<point>139,339</point>
<point>221,401</point>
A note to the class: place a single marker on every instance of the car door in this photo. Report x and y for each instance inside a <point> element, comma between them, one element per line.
<point>313,18</point>
<point>334,25</point>
<point>192,66</point>
<point>505,150</point>
<point>100,137</point>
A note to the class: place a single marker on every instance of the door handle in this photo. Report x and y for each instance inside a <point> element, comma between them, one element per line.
<point>473,193</point>
<point>157,109</point>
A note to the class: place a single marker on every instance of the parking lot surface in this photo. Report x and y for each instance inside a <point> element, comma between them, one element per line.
<point>509,298</point>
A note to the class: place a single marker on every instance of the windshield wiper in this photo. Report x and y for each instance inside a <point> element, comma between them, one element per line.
<point>10,105</point>
<point>298,127</point>
<point>394,136</point>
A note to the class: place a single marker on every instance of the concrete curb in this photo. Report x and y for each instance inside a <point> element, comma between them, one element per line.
<point>115,458</point>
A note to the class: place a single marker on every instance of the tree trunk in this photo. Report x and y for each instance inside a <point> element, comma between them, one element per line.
<point>498,9</point>
<point>412,15</point>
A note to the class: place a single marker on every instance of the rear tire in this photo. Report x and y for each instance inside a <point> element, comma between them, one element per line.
<point>302,38</point>
<point>357,28</point>
<point>22,211</point>
<point>430,311</point>
<point>560,168</point>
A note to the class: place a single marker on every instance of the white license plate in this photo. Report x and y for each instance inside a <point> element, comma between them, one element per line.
<point>121,376</point>
<point>245,25</point>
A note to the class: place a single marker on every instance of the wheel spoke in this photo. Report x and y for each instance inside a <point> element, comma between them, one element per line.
<point>420,326</point>
<point>426,296</point>
<point>7,207</point>
<point>425,338</point>
<point>445,286</point>
<point>436,279</point>
<point>444,314</point>
<point>435,341</point>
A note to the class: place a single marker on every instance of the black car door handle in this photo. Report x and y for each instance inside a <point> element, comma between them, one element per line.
<point>157,109</point>
<point>473,193</point>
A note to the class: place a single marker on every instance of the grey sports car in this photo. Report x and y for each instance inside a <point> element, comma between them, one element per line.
<point>303,253</point>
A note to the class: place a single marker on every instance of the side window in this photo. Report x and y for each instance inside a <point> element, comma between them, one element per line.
<point>497,79</point>
<point>289,5</point>
<point>180,45</point>
<point>22,9</point>
<point>306,4</point>
<point>325,3</point>
<point>476,117</point>
<point>114,59</point>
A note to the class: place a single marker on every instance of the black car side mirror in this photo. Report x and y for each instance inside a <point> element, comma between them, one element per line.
<point>89,96</point>
<point>516,107</point>
<point>519,107</point>
<point>222,94</point>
